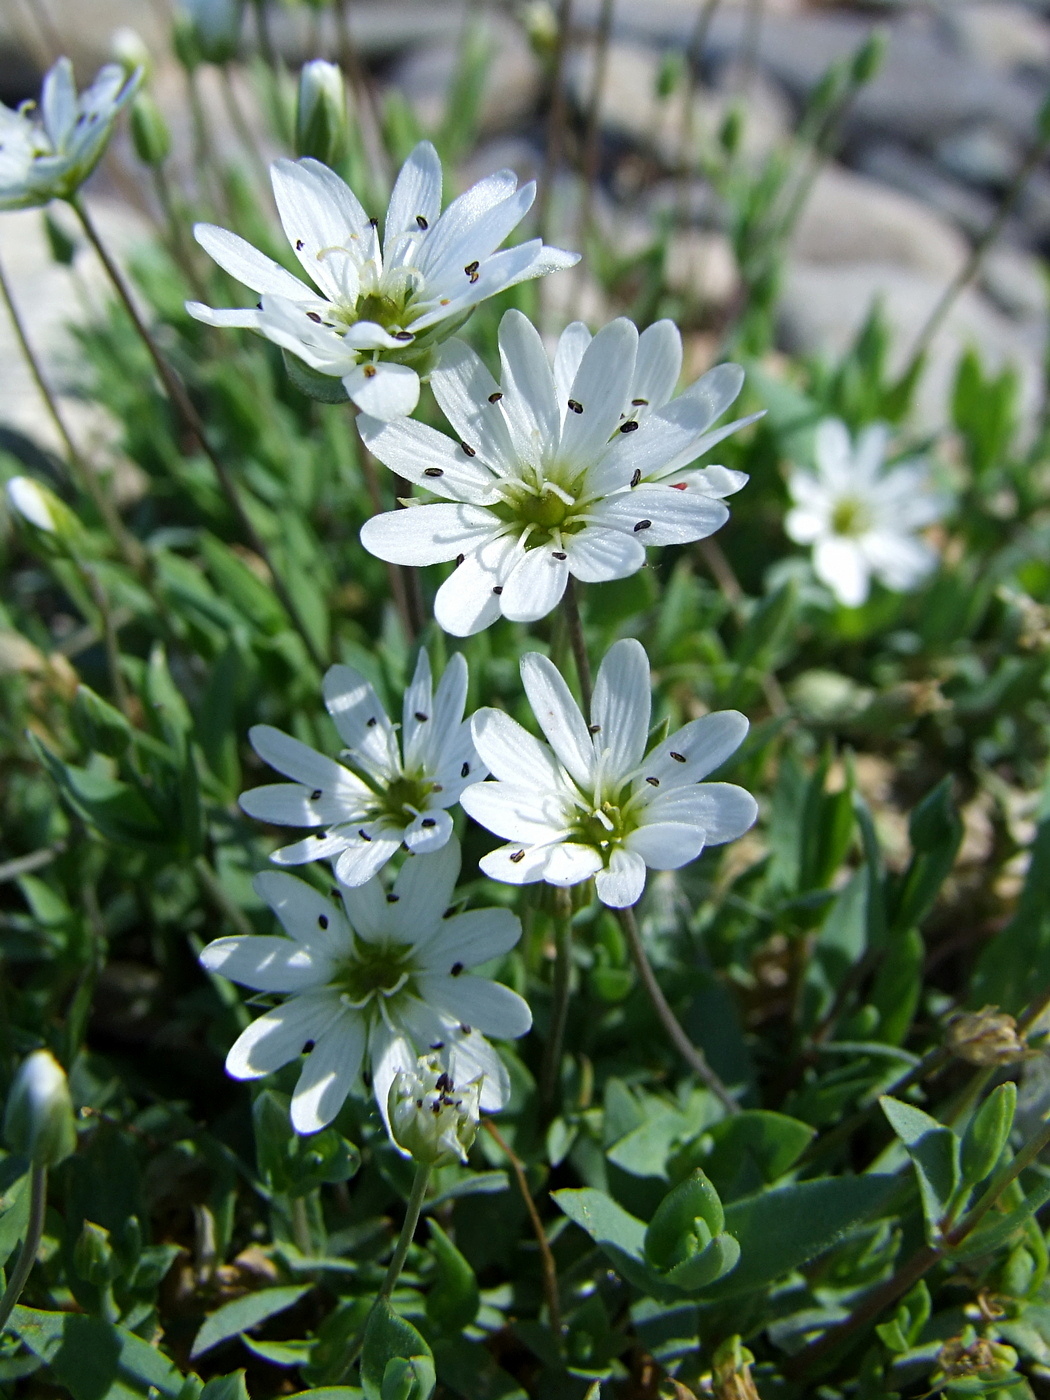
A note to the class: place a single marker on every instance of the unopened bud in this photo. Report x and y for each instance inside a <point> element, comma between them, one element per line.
<point>541,27</point>
<point>149,131</point>
<point>128,48</point>
<point>216,29</point>
<point>321,127</point>
<point>38,1120</point>
<point>47,518</point>
<point>986,1037</point>
<point>93,1256</point>
<point>431,1119</point>
<point>869,57</point>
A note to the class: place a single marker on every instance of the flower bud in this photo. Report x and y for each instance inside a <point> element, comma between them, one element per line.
<point>149,131</point>
<point>93,1256</point>
<point>685,1242</point>
<point>986,1037</point>
<point>128,48</point>
<point>38,1120</point>
<point>430,1119</point>
<point>541,27</point>
<point>33,502</point>
<point>215,26</point>
<point>321,126</point>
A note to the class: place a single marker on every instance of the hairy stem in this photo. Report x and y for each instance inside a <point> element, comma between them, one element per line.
<point>552,1051</point>
<point>693,1057</point>
<point>547,1265</point>
<point>30,1245</point>
<point>183,405</point>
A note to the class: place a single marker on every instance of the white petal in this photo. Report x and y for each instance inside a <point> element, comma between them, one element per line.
<point>511,752</point>
<point>416,193</point>
<point>805,526</point>
<point>662,515</point>
<point>417,710</point>
<point>472,227</point>
<point>472,1057</point>
<point>658,365</point>
<point>320,846</point>
<point>389,391</point>
<point>428,458</point>
<point>429,534</point>
<point>570,862</point>
<point>720,811</point>
<point>666,845</point>
<point>322,220</point>
<point>247,265</point>
<point>469,398</point>
<point>329,1074</point>
<point>529,398</point>
<point>292,804</point>
<point>535,585</point>
<point>558,715</point>
<point>58,102</point>
<point>515,865</point>
<point>428,832</point>
<point>363,859</point>
<point>299,761</point>
<point>305,914</point>
<point>597,554</point>
<point>368,909</point>
<point>842,566</point>
<point>389,1051</point>
<point>622,706</point>
<point>712,481</point>
<point>834,451</point>
<point>361,721</point>
<point>279,1036</point>
<point>240,317</point>
<point>870,452</point>
<point>424,888</point>
<point>572,342</point>
<point>468,939</point>
<point>698,748</point>
<point>517,813</point>
<point>900,561</point>
<point>466,602</point>
<point>293,327</point>
<point>450,700</point>
<point>621,885</point>
<point>487,1006</point>
<point>601,388</point>
<point>265,964</point>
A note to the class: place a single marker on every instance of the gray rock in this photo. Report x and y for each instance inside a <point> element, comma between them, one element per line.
<point>981,155</point>
<point>919,176</point>
<point>822,309</point>
<point>1002,35</point>
<point>512,84</point>
<point>1015,281</point>
<point>850,218</point>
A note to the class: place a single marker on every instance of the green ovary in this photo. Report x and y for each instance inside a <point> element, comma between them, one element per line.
<point>850,516</point>
<point>378,969</point>
<point>403,798</point>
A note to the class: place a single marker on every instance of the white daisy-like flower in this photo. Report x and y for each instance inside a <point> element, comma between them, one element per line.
<point>383,794</point>
<point>381,305</point>
<point>48,152</point>
<point>598,802</point>
<point>860,516</point>
<point>570,469</point>
<point>374,979</point>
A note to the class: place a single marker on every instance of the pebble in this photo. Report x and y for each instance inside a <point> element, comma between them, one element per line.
<point>1002,36</point>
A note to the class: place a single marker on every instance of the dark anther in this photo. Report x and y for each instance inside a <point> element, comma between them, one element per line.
<point>471,270</point>
<point>678,757</point>
<point>317,793</point>
<point>373,721</point>
<point>576,406</point>
<point>443,1084</point>
<point>464,770</point>
<point>653,782</point>
<point>427,823</point>
<point>559,554</point>
<point>637,476</point>
<point>464,1029</point>
<point>298,245</point>
<point>455,969</point>
<point>436,787</point>
<point>629,427</point>
<point>594,729</point>
<point>495,398</point>
<point>392,898</point>
<point>374,223</point>
<point>438,1045</point>
<point>308,1047</point>
<point>498,589</point>
<point>421,716</point>
<point>363,834</point>
<point>313,316</point>
<point>642,525</point>
<point>421,221</point>
<point>459,559</point>
<point>433,471</point>
<point>518,855</point>
<point>403,335</point>
<point>639,402</point>
<point>370,371</point>
<point>468,450</point>
<point>322,920</point>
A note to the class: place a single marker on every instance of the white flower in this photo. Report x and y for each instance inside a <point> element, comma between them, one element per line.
<point>373,980</point>
<point>862,517</point>
<point>28,499</point>
<point>49,154</point>
<point>555,472</point>
<point>432,1118</point>
<point>595,803</point>
<point>383,794</point>
<point>380,307</point>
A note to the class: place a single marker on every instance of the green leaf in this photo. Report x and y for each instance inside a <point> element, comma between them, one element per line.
<point>896,990</point>
<point>783,1229</point>
<point>936,832</point>
<point>229,1387</point>
<point>989,1237</point>
<point>987,1133</point>
<point>620,1235</point>
<point>243,1313</point>
<point>755,1144</point>
<point>453,1300</point>
<point>389,1338</point>
<point>934,1151</point>
<point>95,1360</point>
<point>280,1353</point>
<point>114,809</point>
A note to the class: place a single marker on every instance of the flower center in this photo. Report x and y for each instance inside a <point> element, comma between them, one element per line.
<point>376,970</point>
<point>850,516</point>
<point>404,796</point>
<point>386,311</point>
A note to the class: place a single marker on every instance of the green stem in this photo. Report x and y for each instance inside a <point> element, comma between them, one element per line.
<point>30,1245</point>
<point>183,405</point>
<point>216,893</point>
<point>556,120</point>
<point>562,985</point>
<point>301,1226</point>
<point>571,609</point>
<point>408,1230</point>
<point>693,1057</point>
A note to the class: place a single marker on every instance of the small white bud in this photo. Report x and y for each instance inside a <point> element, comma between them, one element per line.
<point>321,129</point>
<point>431,1119</point>
<point>38,1120</point>
<point>128,48</point>
<point>30,500</point>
